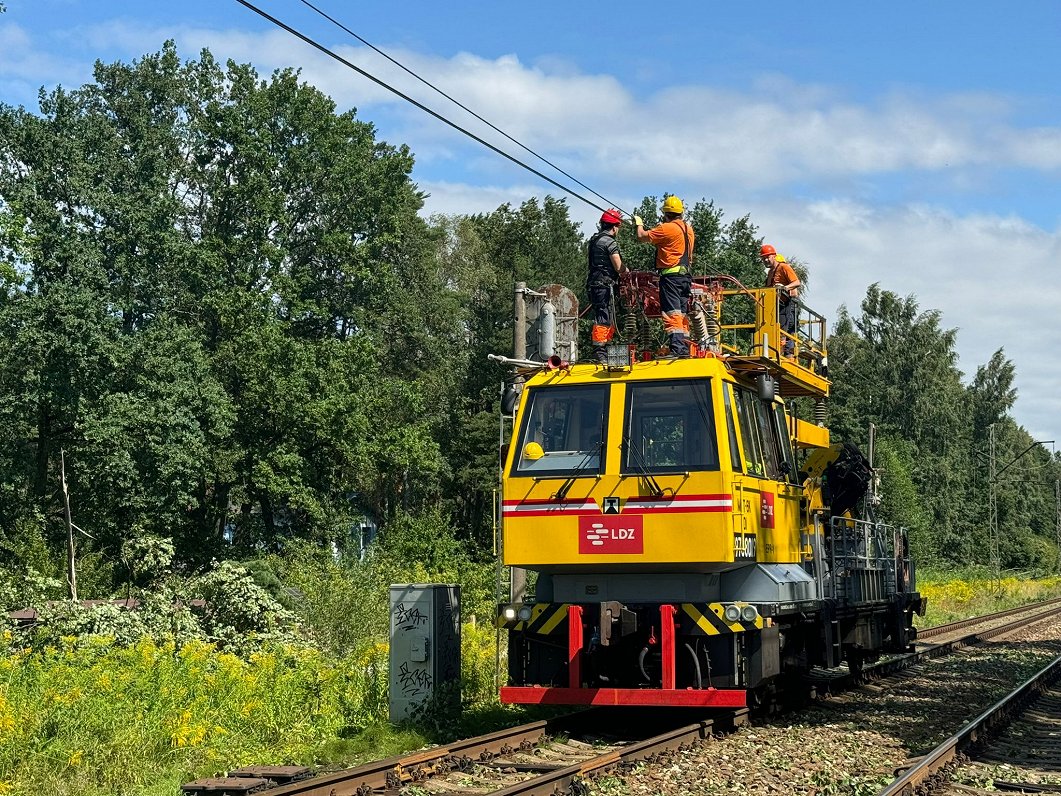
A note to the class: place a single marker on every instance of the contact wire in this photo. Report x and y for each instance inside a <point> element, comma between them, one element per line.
<point>457,102</point>
<point>317,45</point>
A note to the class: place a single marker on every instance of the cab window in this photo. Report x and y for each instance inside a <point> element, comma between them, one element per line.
<point>563,431</point>
<point>785,444</point>
<point>731,428</point>
<point>751,433</point>
<point>767,446</point>
<point>669,428</point>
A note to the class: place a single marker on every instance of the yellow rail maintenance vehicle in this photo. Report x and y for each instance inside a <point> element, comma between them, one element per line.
<point>694,540</point>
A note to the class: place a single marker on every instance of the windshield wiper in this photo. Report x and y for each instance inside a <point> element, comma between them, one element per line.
<point>582,467</point>
<point>565,487</point>
<point>642,467</point>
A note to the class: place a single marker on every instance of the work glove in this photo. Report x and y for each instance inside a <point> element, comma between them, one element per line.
<point>638,222</point>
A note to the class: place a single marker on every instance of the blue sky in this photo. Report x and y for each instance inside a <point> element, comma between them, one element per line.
<point>913,144</point>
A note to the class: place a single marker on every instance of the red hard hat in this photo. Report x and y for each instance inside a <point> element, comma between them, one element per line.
<point>767,249</point>
<point>611,216</point>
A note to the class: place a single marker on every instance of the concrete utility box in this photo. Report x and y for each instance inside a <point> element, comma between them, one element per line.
<point>425,646</point>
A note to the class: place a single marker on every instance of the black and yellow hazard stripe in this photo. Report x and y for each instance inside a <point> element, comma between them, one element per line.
<point>710,618</point>
<point>545,618</point>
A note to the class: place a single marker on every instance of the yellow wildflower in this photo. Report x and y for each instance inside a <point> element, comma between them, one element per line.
<point>7,717</point>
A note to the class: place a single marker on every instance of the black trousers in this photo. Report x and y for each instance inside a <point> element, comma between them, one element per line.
<point>600,295</point>
<point>787,315</point>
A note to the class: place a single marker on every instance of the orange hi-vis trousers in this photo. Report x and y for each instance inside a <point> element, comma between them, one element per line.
<point>674,290</point>
<point>602,334</point>
<point>676,322</point>
<point>603,324</point>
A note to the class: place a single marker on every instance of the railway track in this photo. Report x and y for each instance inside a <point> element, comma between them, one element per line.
<point>551,756</point>
<point>542,757</point>
<point>1013,746</point>
<point>961,624</point>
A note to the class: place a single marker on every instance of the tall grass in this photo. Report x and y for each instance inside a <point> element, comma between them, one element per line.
<point>960,595</point>
<point>93,717</point>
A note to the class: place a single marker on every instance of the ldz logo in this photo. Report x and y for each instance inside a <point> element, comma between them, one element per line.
<point>611,534</point>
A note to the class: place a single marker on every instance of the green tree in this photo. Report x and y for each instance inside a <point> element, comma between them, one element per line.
<point>219,305</point>
<point>901,500</point>
<point>895,366</point>
<point>992,394</point>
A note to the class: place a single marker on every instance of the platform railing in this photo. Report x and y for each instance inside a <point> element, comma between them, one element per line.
<point>864,565</point>
<point>750,326</point>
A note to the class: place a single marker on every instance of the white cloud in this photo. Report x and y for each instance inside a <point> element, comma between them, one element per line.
<point>25,65</point>
<point>777,132</point>
<point>461,198</point>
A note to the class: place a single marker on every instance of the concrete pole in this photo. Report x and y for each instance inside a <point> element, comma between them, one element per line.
<point>519,329</point>
<point>518,588</point>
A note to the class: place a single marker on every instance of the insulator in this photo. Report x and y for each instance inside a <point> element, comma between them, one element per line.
<point>629,326</point>
<point>714,329</point>
<point>547,331</point>
<point>703,325</point>
<point>647,342</point>
<point>819,412</point>
<point>698,323</point>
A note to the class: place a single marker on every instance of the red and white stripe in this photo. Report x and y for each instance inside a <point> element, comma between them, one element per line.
<point>550,508</point>
<point>668,504</point>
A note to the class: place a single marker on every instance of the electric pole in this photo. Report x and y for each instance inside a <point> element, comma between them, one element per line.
<point>992,510</point>
<point>1057,519</point>
<point>992,499</point>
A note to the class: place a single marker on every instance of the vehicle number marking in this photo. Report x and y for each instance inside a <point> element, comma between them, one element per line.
<point>744,545</point>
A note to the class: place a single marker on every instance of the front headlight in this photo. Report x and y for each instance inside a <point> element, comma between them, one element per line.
<point>731,613</point>
<point>509,613</point>
<point>749,613</point>
<point>525,613</point>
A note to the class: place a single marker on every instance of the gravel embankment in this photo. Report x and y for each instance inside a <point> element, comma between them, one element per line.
<point>849,744</point>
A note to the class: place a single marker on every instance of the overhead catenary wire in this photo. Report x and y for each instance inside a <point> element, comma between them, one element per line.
<point>457,102</point>
<point>383,84</point>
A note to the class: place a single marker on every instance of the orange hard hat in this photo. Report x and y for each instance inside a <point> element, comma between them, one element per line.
<point>611,216</point>
<point>767,249</point>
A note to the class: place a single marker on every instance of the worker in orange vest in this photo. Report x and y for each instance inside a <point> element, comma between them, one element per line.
<point>779,274</point>
<point>674,241</point>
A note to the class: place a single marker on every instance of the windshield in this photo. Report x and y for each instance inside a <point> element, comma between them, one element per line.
<point>670,428</point>
<point>563,431</point>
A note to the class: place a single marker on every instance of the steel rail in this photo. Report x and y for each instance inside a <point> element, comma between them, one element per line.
<point>900,662</point>
<point>996,715</point>
<point>392,771</point>
<point>391,774</point>
<point>552,782</point>
<point>937,630</point>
